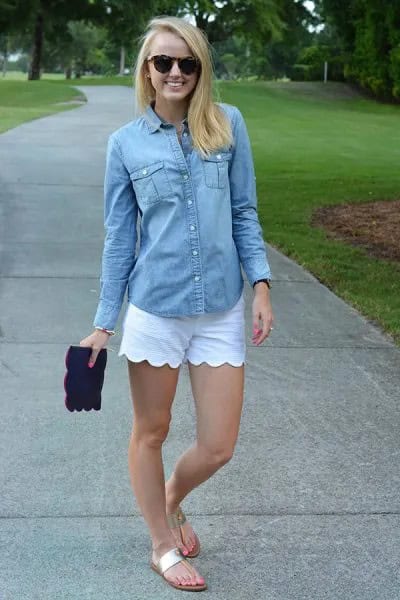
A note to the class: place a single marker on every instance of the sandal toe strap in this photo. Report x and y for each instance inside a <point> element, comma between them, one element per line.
<point>169,559</point>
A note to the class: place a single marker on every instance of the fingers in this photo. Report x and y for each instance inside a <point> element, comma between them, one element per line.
<point>93,357</point>
<point>96,342</point>
<point>259,335</point>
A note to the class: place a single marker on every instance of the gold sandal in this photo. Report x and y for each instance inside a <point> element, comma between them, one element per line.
<point>177,519</point>
<point>169,559</point>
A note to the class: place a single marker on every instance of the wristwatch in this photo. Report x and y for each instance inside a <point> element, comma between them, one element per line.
<point>267,281</point>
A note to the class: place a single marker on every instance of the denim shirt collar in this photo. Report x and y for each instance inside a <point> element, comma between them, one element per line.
<point>155,122</point>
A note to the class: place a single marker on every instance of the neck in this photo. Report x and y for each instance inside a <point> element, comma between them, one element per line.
<point>172,112</point>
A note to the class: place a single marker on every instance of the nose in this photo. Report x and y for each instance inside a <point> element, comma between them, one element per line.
<point>175,69</point>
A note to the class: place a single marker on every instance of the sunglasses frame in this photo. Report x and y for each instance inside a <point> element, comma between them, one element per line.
<point>175,59</point>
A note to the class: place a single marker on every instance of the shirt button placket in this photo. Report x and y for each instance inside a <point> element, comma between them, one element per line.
<point>194,248</point>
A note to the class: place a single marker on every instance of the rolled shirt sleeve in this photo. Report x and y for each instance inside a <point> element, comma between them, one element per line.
<point>120,218</point>
<point>247,232</point>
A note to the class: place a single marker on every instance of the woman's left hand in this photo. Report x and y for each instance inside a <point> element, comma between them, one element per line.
<point>262,313</point>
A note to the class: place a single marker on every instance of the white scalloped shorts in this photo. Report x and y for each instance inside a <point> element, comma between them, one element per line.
<point>214,338</point>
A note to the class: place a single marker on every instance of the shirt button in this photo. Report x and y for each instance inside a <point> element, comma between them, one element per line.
<point>192,228</point>
<point>144,172</point>
<point>185,177</point>
<point>189,202</point>
<point>219,156</point>
<point>197,278</point>
<point>194,252</point>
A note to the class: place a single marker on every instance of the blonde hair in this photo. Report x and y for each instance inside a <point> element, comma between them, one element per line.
<point>209,127</point>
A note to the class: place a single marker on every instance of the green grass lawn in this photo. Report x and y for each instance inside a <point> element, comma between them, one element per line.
<point>22,101</point>
<point>315,151</point>
<point>311,148</point>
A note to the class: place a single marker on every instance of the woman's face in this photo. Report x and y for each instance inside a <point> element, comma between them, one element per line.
<point>173,86</point>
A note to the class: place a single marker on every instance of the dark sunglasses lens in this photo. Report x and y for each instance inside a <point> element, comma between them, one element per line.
<point>162,64</point>
<point>187,65</point>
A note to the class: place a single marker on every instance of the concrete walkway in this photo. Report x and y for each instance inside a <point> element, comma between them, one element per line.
<point>308,508</point>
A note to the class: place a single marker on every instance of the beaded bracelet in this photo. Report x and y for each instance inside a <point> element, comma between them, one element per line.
<point>109,331</point>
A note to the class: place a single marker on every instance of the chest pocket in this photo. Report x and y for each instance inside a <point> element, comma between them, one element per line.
<point>151,183</point>
<point>216,169</point>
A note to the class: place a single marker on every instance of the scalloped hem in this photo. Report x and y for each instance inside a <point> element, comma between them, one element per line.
<point>138,358</point>
<point>216,364</point>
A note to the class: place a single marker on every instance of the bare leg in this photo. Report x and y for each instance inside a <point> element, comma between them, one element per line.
<point>153,390</point>
<point>218,395</point>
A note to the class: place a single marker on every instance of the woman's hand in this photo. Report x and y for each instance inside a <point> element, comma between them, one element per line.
<point>96,341</point>
<point>262,312</point>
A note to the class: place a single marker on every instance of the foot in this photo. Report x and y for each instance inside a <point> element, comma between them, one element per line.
<point>184,535</point>
<point>183,573</point>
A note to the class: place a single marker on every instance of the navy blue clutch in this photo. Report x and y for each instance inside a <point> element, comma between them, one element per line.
<point>82,384</point>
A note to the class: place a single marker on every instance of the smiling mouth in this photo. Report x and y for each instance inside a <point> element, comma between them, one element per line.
<point>174,84</point>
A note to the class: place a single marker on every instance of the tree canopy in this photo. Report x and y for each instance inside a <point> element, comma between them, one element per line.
<point>360,39</point>
<point>369,35</point>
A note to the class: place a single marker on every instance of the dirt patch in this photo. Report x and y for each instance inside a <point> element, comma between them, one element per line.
<point>375,226</point>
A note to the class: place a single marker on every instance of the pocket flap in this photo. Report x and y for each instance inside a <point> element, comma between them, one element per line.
<point>146,170</point>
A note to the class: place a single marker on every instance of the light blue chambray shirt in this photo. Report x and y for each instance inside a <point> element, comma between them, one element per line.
<point>198,222</point>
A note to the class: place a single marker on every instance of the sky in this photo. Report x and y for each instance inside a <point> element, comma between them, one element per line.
<point>310,7</point>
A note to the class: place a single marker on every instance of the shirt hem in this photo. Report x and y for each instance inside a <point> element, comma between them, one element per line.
<point>186,314</point>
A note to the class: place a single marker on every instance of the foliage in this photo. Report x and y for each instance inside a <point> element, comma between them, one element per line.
<point>80,49</point>
<point>267,33</point>
<point>45,20</point>
<point>310,65</point>
<point>280,54</point>
<point>264,48</point>
<point>263,38</point>
<point>370,33</point>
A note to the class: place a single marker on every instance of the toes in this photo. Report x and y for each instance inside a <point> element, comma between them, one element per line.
<point>195,577</point>
<point>199,579</point>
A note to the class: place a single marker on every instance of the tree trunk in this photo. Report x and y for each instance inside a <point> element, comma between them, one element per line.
<point>34,69</point>
<point>68,72</point>
<point>4,69</point>
<point>122,61</point>
<point>5,57</point>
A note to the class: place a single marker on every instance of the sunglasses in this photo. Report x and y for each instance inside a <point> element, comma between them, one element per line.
<point>163,63</point>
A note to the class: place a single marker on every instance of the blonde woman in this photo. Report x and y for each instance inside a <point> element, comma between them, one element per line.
<point>185,166</point>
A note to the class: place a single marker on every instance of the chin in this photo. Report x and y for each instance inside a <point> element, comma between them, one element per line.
<point>181,95</point>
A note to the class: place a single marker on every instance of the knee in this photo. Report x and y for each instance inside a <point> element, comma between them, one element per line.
<point>152,435</point>
<point>218,456</point>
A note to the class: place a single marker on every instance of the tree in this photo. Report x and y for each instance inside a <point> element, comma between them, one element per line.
<point>369,31</point>
<point>125,21</point>
<point>44,18</point>
<point>280,54</point>
<point>78,48</point>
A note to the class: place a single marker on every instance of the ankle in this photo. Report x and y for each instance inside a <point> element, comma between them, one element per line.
<point>160,546</point>
<point>171,503</point>
<point>171,507</point>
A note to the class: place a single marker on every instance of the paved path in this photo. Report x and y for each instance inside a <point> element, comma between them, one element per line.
<point>308,508</point>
